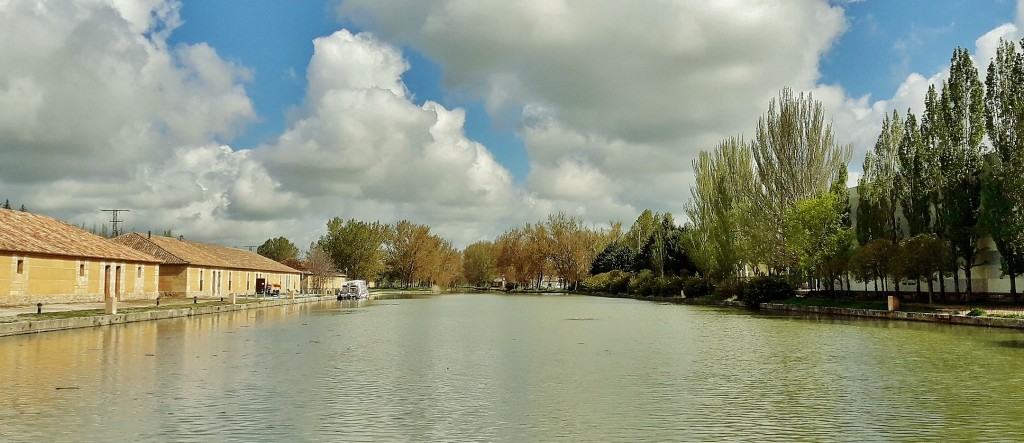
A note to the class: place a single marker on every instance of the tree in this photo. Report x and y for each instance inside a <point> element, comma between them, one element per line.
<point>7,204</point>
<point>23,209</point>
<point>1002,199</point>
<point>796,157</point>
<point>479,263</point>
<point>320,267</point>
<point>616,256</point>
<point>815,232</point>
<point>278,249</point>
<point>920,258</point>
<point>641,230</point>
<point>511,257</point>
<point>912,181</point>
<point>666,252</point>
<point>408,249</point>
<point>881,181</point>
<point>356,247</point>
<point>873,261</point>
<point>962,118</point>
<point>573,247</point>
<point>718,205</point>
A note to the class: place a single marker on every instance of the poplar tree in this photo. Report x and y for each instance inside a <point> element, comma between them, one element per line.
<point>962,111</point>
<point>797,157</point>
<point>881,179</point>
<point>912,187</point>
<point>719,205</point>
<point>1003,184</point>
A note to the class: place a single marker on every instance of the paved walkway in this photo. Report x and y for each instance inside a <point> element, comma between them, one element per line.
<point>9,312</point>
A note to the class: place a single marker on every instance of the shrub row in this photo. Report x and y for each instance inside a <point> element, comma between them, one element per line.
<point>645,284</point>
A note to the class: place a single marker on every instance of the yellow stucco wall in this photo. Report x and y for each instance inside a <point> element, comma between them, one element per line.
<point>52,279</point>
<point>206,282</point>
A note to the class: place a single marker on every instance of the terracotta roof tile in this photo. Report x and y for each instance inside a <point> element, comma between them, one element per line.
<point>25,232</point>
<point>175,251</point>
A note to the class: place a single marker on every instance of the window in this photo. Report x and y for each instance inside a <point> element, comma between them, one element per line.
<point>21,266</point>
<point>139,272</point>
<point>200,280</point>
<point>229,280</point>
<point>81,269</point>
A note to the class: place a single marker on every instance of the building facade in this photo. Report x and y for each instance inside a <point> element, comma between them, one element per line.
<point>194,269</point>
<point>44,260</point>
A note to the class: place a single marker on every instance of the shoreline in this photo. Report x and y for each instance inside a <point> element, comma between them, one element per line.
<point>21,327</point>
<point>928,317</point>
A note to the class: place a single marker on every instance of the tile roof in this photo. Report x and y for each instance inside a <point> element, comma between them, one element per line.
<point>25,232</point>
<point>175,251</point>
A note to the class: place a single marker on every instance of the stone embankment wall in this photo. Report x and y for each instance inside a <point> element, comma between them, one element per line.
<point>998,322</point>
<point>57,324</point>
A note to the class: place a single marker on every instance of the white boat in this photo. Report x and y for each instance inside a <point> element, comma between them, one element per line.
<point>356,289</point>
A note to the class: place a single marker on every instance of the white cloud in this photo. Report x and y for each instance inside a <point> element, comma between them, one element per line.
<point>86,93</point>
<point>361,148</point>
<point>612,98</point>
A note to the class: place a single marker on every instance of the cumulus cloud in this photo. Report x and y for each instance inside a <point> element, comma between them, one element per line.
<point>362,148</point>
<point>89,89</point>
<point>611,97</point>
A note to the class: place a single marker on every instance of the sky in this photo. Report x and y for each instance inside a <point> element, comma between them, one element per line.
<point>237,121</point>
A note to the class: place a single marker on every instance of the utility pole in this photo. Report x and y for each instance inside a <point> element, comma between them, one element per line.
<point>115,223</point>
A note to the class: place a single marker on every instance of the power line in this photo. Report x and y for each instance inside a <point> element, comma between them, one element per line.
<point>115,223</point>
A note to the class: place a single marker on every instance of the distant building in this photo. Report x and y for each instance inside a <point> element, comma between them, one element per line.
<point>44,260</point>
<point>987,276</point>
<point>194,269</point>
<point>329,285</point>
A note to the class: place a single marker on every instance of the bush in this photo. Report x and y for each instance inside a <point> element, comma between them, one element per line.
<point>729,288</point>
<point>613,282</point>
<point>976,312</point>
<point>673,285</point>
<point>765,289</point>
<point>642,283</point>
<point>698,287</point>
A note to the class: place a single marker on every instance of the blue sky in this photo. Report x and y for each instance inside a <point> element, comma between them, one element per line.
<point>884,42</point>
<point>237,121</point>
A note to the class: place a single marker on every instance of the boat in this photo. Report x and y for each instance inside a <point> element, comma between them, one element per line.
<point>353,289</point>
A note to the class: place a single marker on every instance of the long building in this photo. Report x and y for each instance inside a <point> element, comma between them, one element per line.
<point>44,260</point>
<point>194,269</point>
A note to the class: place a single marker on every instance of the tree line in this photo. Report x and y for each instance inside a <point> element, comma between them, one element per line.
<point>776,205</point>
<point>931,189</point>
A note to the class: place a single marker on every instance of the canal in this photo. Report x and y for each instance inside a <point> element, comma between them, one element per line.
<point>512,368</point>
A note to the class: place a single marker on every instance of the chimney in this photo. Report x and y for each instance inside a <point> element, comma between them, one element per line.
<point>149,234</point>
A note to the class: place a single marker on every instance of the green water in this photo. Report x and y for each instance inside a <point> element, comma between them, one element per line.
<point>512,368</point>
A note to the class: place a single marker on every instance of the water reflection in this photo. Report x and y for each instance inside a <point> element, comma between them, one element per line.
<point>487,367</point>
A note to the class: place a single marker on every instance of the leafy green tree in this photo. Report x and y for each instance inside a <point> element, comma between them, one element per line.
<point>356,247</point>
<point>872,262</point>
<point>880,184</point>
<point>666,251</point>
<point>479,263</point>
<point>815,232</point>
<point>278,249</point>
<point>641,230</point>
<point>797,157</point>
<point>616,257</point>
<point>912,181</point>
<point>1002,196</point>
<point>962,113</point>
<point>718,207</point>
<point>921,257</point>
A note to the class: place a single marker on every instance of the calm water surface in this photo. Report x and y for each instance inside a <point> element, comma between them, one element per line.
<point>512,368</point>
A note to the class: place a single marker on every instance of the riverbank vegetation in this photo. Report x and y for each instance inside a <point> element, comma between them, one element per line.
<point>772,213</point>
